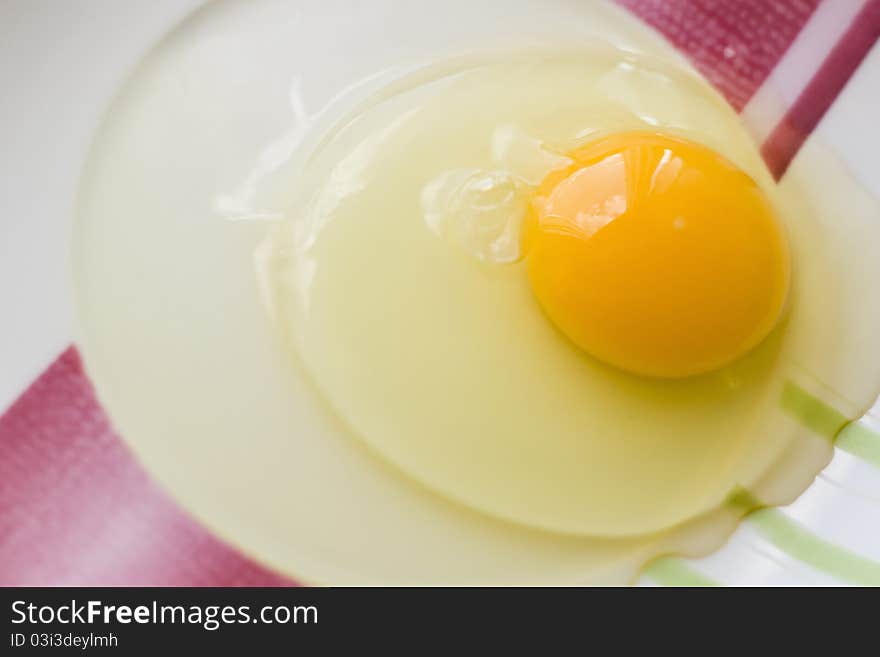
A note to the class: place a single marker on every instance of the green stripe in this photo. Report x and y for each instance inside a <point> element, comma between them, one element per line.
<point>794,539</point>
<point>672,571</point>
<point>823,419</point>
<point>859,440</point>
<point>812,412</point>
<point>783,532</point>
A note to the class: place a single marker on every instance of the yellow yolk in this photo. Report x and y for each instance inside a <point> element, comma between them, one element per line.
<point>656,255</point>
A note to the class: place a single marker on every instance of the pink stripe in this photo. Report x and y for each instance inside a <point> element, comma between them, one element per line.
<point>77,509</point>
<point>804,115</point>
<point>734,43</point>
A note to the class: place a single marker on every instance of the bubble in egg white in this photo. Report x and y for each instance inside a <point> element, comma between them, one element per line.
<point>523,155</point>
<point>481,211</point>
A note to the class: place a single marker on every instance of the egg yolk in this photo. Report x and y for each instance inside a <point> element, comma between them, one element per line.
<point>656,255</point>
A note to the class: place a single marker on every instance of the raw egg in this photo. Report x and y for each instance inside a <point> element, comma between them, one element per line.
<point>400,274</point>
<point>539,298</point>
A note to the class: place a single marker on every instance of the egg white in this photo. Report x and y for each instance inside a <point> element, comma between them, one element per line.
<point>214,125</point>
<point>396,282</point>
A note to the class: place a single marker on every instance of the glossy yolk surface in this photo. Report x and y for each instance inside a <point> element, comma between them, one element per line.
<point>656,255</point>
